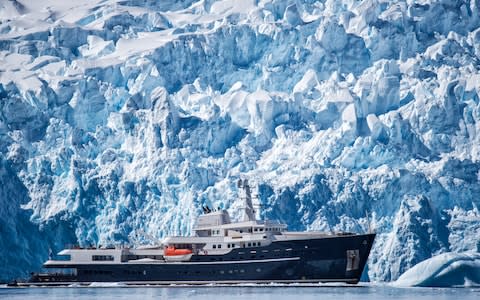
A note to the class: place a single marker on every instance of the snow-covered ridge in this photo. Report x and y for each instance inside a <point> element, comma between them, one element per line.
<point>123,117</point>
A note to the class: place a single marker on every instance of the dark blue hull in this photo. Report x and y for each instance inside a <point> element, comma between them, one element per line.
<point>331,259</point>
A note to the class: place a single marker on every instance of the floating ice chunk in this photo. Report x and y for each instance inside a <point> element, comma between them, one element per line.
<point>444,270</point>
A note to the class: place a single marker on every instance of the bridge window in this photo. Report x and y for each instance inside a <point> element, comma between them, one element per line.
<point>102,257</point>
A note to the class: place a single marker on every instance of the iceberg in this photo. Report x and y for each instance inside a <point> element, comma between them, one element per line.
<point>444,270</point>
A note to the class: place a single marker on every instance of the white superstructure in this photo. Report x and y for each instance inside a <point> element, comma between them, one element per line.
<point>215,234</point>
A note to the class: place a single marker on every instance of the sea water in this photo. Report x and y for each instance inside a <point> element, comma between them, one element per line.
<point>244,292</point>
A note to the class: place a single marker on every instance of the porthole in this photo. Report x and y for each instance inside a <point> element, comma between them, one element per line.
<point>258,270</point>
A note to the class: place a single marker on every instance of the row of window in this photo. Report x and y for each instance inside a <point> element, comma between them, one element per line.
<point>233,245</point>
<point>235,271</point>
<point>261,229</point>
<point>256,229</point>
<point>102,257</point>
<point>134,257</point>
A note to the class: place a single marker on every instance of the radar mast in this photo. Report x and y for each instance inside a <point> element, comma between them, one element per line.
<point>249,214</point>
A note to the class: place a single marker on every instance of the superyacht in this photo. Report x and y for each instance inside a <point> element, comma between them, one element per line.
<point>220,251</point>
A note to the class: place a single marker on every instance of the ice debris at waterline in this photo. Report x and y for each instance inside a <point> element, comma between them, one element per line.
<point>120,119</point>
<point>444,270</point>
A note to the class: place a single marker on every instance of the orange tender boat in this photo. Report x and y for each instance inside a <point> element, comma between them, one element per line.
<point>172,251</point>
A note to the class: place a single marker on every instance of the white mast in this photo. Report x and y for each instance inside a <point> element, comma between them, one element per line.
<point>247,195</point>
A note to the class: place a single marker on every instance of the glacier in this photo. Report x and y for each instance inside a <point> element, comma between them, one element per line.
<point>119,119</point>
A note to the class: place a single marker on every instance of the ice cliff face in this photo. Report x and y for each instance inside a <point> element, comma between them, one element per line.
<point>119,119</point>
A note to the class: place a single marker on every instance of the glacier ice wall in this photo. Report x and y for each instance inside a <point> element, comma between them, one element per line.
<point>119,119</point>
